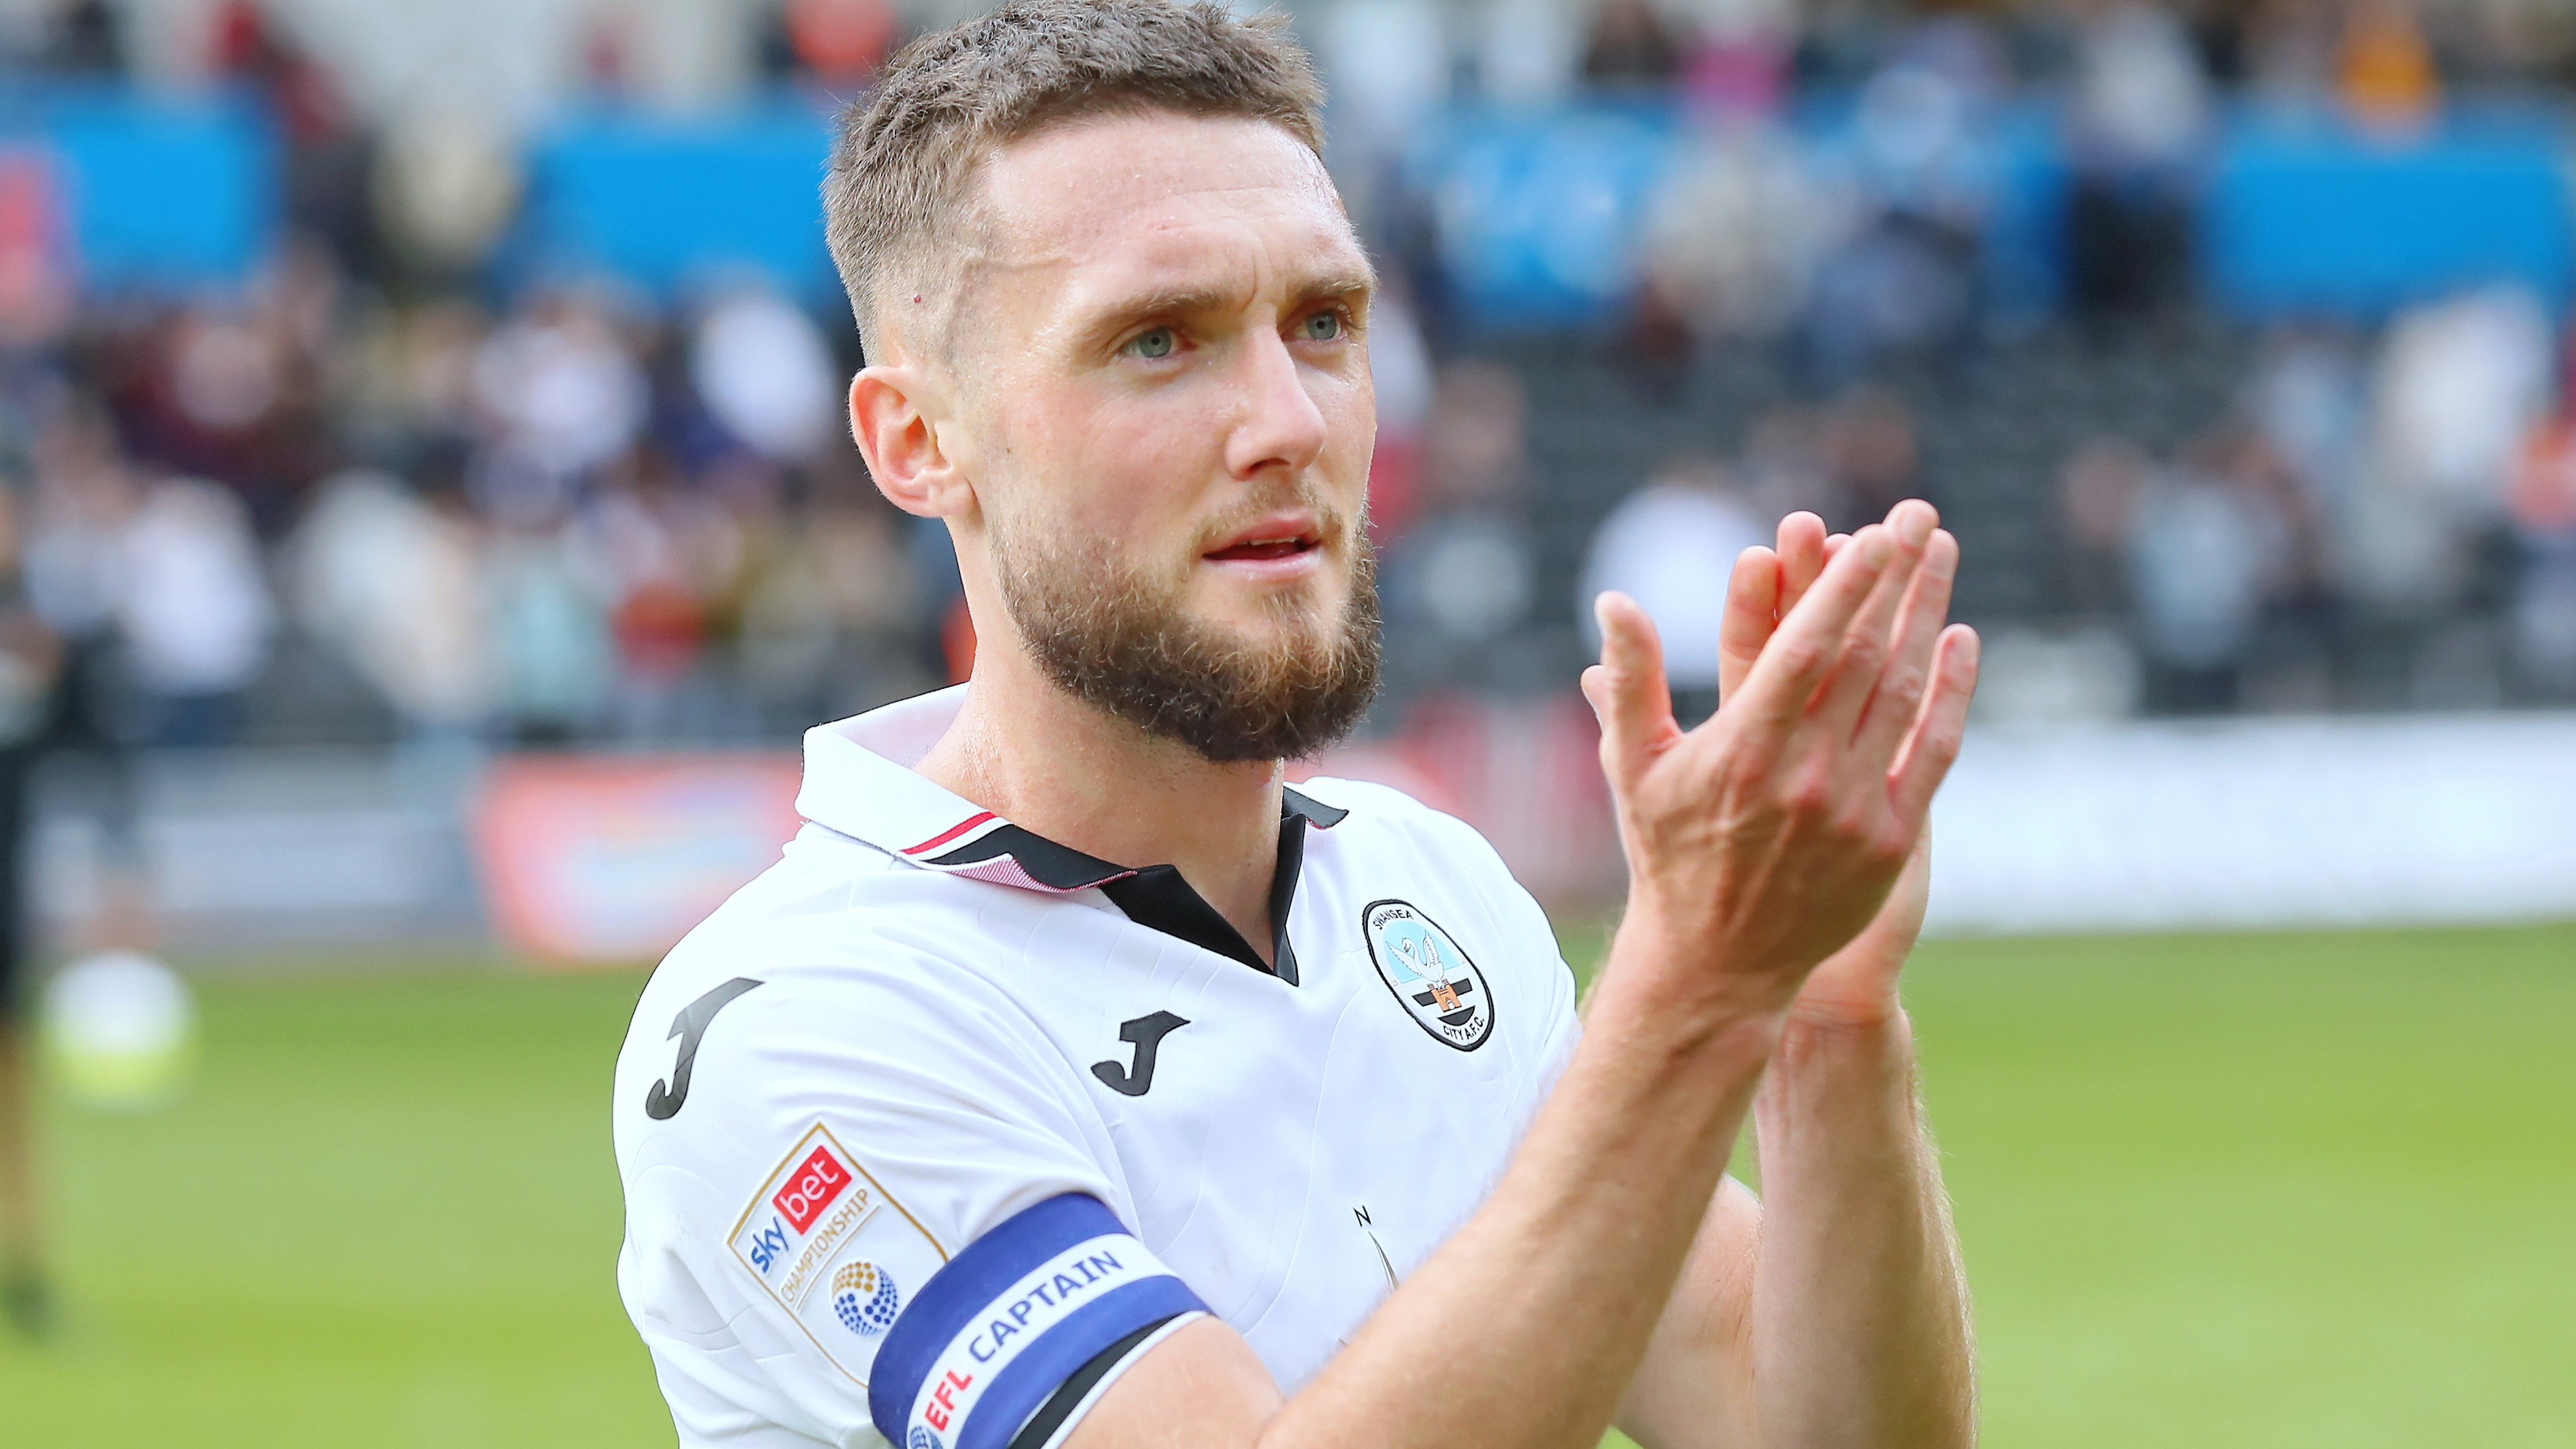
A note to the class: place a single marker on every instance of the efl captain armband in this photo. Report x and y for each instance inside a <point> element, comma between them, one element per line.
<point>1006,1344</point>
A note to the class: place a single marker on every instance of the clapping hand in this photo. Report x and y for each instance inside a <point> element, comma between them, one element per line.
<point>1782,842</point>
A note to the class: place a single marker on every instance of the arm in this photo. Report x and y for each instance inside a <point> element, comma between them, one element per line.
<point>1836,1311</point>
<point>1758,844</point>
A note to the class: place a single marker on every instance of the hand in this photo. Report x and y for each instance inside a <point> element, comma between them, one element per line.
<point>1856,986</point>
<point>1765,840</point>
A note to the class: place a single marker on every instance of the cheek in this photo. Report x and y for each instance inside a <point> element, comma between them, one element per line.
<point>1143,463</point>
<point>1350,409</point>
<point>1088,466</point>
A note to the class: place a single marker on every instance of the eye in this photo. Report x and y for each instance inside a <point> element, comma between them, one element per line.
<point>1320,326</point>
<point>1153,342</point>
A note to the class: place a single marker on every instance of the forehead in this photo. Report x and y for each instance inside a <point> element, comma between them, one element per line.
<point>1111,204</point>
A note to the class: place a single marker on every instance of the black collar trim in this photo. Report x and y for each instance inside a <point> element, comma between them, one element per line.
<point>1051,866</point>
<point>1152,896</point>
<point>1314,811</point>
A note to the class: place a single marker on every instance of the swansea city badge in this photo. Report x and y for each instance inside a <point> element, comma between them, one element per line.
<point>1430,976</point>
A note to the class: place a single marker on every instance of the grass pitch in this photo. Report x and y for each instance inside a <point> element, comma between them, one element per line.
<point>2267,1191</point>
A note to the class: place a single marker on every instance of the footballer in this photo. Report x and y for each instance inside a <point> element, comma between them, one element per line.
<point>1074,1081</point>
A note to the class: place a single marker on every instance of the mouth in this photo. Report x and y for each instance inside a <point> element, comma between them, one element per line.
<point>1272,540</point>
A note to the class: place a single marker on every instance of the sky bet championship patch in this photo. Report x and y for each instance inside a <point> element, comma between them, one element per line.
<point>842,1257</point>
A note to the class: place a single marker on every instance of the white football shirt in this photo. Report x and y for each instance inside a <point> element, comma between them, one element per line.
<point>936,1125</point>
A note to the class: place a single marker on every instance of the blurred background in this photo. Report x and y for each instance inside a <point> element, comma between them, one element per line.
<point>429,523</point>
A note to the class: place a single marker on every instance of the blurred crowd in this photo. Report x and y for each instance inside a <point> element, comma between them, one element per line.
<point>379,492</point>
<point>574,520</point>
<point>2404,507</point>
<point>2311,514</point>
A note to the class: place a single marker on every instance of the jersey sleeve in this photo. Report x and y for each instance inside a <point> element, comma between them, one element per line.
<point>871,1207</point>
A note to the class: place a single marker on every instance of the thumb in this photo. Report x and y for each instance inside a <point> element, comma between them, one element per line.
<point>1627,689</point>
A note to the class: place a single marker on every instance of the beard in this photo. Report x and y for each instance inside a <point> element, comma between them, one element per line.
<point>1113,635</point>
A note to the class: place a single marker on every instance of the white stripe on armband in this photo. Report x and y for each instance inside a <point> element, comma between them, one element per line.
<point>1019,1317</point>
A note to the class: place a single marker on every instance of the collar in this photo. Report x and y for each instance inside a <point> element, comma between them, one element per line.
<point>860,781</point>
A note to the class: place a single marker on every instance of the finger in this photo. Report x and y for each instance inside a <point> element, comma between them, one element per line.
<point>1864,660</point>
<point>1752,612</point>
<point>1803,650</point>
<point>1803,551</point>
<point>1627,689</point>
<point>1894,709</point>
<point>1934,744</point>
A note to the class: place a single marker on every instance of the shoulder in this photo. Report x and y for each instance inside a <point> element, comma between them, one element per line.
<point>1392,850</point>
<point>838,935</point>
<point>1390,836</point>
<point>827,1091</point>
<point>875,1003</point>
<point>1383,817</point>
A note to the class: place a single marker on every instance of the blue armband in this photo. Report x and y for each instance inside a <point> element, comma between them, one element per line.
<point>1018,1315</point>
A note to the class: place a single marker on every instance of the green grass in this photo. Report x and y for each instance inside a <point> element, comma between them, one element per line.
<point>386,1216</point>
<point>2266,1191</point>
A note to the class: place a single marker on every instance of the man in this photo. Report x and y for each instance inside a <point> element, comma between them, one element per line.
<point>1072,1081</point>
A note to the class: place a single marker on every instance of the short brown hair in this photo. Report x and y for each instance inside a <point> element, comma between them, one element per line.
<point>906,155</point>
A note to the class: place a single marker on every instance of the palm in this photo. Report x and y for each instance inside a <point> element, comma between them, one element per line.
<point>1858,982</point>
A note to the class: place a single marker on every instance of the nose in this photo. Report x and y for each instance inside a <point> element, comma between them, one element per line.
<point>1276,423</point>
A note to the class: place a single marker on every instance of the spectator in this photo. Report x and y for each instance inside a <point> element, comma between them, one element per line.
<point>326,141</point>
<point>84,38</point>
<point>1527,56</point>
<point>1400,370</point>
<point>446,183</point>
<point>826,620</point>
<point>762,368</point>
<point>2385,69</point>
<point>1631,49</point>
<point>2460,386</point>
<point>1389,63</point>
<point>837,44</point>
<point>1739,68</point>
<point>1871,454</point>
<point>37,297</point>
<point>1461,580</point>
<point>194,610</point>
<point>1732,237</point>
<point>2203,551</point>
<point>561,387</point>
<point>74,570</point>
<point>2308,398</point>
<point>2141,112</point>
<point>1903,276</point>
<point>393,582</point>
<point>2542,622</point>
<point>1671,546</point>
<point>2098,495</point>
<point>2293,44</point>
<point>553,664</point>
<point>2462,383</point>
<point>665,558</point>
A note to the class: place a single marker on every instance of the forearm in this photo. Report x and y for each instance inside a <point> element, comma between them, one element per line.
<point>1860,1326</point>
<point>1524,1329</point>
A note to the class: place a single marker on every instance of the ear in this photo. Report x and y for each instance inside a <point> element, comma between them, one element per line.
<point>894,412</point>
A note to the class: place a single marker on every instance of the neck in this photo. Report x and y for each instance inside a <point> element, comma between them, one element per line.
<point>1029,752</point>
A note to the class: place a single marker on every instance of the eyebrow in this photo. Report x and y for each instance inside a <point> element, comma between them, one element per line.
<point>1117,316</point>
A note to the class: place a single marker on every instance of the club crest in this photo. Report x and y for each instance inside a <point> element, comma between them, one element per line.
<point>1430,976</point>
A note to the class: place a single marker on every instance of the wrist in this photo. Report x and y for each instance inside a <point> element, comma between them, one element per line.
<point>1807,1033</point>
<point>1681,969</point>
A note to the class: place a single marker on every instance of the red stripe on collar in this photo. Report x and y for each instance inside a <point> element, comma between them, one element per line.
<point>951,833</point>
